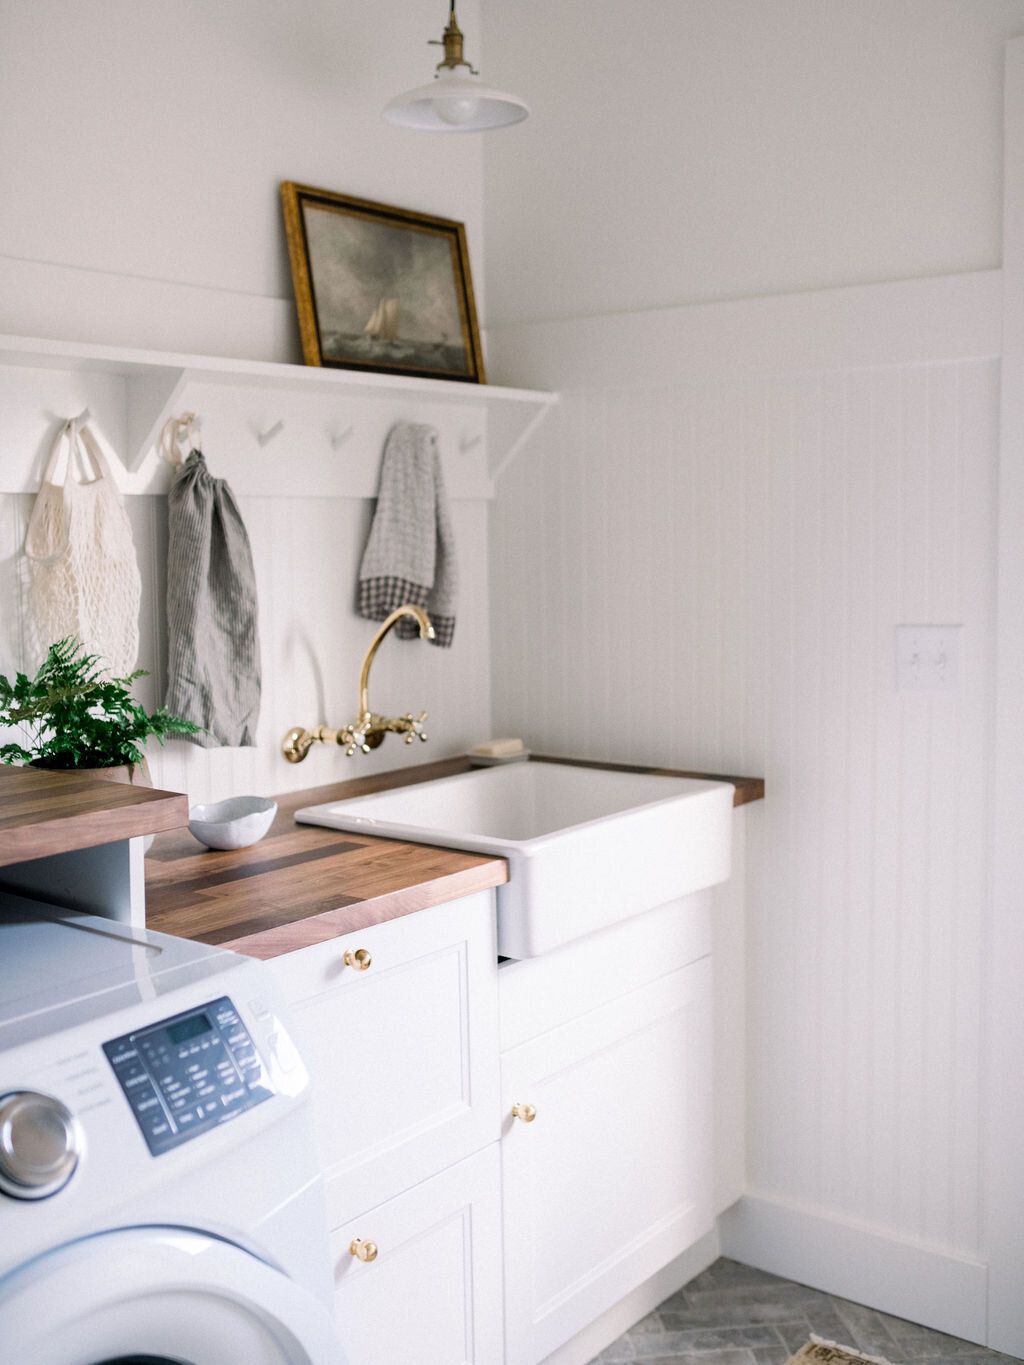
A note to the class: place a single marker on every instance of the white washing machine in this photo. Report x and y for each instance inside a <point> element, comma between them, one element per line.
<point>160,1195</point>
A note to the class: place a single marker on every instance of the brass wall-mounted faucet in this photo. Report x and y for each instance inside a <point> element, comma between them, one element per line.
<point>367,731</point>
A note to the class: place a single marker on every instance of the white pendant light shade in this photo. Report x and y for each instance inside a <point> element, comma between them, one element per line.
<point>455,104</point>
<point>455,101</point>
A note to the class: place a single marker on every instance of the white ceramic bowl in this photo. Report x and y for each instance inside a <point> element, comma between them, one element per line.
<point>235,823</point>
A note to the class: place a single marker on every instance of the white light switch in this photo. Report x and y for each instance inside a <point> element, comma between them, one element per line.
<point>928,658</point>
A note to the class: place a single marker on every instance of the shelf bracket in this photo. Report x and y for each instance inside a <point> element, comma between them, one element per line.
<point>520,441</point>
<point>150,398</point>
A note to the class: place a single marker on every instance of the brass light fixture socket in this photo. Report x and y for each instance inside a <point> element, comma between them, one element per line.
<point>452,43</point>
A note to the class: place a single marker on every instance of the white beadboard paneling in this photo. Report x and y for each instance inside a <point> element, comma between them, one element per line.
<point>715,576</point>
<point>1004,1078</point>
<point>306,552</point>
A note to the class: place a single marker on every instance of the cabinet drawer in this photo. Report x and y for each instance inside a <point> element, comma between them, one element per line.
<point>540,993</point>
<point>432,1295</point>
<point>612,1178</point>
<point>403,1054</point>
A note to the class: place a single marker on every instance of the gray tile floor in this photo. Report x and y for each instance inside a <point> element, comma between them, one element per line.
<point>734,1315</point>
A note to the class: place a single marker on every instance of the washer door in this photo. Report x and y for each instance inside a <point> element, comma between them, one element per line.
<point>160,1295</point>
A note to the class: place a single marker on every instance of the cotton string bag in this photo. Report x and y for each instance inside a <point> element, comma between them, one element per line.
<point>212,628</point>
<point>83,572</point>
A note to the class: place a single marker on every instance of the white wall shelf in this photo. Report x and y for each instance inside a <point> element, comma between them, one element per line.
<point>155,385</point>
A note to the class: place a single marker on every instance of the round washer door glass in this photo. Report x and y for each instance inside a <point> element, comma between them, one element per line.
<point>161,1294</point>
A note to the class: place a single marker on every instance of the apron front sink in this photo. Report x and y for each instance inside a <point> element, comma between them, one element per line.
<point>587,847</point>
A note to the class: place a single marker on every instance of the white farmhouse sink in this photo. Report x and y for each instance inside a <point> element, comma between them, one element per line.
<point>586,847</point>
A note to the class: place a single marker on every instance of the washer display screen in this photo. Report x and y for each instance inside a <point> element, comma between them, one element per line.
<point>189,1073</point>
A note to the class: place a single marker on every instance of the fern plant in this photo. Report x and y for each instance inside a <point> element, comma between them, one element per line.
<point>71,716</point>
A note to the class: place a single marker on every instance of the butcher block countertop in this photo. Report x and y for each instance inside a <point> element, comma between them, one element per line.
<point>44,812</point>
<point>303,884</point>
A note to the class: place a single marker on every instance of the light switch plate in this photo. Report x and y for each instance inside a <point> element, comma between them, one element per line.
<point>928,658</point>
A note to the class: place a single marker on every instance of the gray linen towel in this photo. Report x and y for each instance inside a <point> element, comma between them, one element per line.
<point>410,554</point>
<point>213,640</point>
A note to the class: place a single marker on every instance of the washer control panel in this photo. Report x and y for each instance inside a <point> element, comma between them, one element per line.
<point>189,1073</point>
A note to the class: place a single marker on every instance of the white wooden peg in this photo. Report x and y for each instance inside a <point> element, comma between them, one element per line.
<point>338,438</point>
<point>265,437</point>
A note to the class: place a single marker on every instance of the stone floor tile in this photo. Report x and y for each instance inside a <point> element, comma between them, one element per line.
<point>914,1342</point>
<point>718,1313</point>
<point>794,1333</point>
<point>826,1323</point>
<point>724,1338</point>
<point>651,1323</point>
<point>770,1355</point>
<point>667,1352</point>
<point>870,1323</point>
<point>782,1293</point>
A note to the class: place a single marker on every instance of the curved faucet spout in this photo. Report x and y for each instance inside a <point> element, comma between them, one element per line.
<point>367,731</point>
<point>426,633</point>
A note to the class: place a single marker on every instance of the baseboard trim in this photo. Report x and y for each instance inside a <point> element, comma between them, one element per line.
<point>929,1285</point>
<point>610,1325</point>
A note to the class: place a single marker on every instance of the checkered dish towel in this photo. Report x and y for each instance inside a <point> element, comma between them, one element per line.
<point>410,555</point>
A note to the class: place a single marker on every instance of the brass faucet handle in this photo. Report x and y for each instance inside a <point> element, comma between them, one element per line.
<point>353,738</point>
<point>414,727</point>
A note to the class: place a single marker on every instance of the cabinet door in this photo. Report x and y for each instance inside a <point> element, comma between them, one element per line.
<point>403,1054</point>
<point>613,1177</point>
<point>432,1294</point>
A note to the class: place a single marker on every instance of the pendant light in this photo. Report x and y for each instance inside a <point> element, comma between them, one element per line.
<point>454,101</point>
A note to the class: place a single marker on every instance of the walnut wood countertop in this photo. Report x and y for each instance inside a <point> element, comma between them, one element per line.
<point>303,884</point>
<point>44,812</point>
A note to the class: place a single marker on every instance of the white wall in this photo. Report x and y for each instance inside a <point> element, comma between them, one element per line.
<point>1005,1015</point>
<point>142,146</point>
<point>729,148</point>
<point>707,548</point>
<point>143,141</point>
<point>704,554</point>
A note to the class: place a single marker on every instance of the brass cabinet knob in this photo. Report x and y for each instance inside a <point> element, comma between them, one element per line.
<point>362,1251</point>
<point>526,1112</point>
<point>360,959</point>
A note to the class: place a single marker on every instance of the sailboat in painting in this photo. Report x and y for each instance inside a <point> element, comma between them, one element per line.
<point>383,323</point>
<point>378,342</point>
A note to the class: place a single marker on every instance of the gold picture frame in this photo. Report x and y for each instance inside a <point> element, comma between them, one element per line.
<point>381,288</point>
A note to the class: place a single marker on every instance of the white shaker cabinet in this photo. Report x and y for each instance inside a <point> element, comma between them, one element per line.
<point>613,1177</point>
<point>429,1290</point>
<point>398,1024</point>
<point>462,1235</point>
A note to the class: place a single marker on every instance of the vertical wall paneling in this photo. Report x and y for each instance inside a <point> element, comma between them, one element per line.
<point>1004,1092</point>
<point>307,507</point>
<point>747,538</point>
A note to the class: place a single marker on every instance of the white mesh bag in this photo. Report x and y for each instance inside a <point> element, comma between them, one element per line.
<point>83,573</point>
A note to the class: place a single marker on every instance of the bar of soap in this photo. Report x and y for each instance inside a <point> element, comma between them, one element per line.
<point>498,748</point>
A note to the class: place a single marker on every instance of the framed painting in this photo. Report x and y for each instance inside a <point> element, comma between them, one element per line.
<point>381,288</point>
